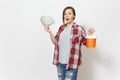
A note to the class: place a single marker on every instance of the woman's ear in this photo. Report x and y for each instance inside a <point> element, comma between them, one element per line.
<point>73,17</point>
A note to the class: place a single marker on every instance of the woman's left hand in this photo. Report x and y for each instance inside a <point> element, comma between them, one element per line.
<point>91,31</point>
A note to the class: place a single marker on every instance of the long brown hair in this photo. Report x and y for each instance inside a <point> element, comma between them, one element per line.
<point>68,7</point>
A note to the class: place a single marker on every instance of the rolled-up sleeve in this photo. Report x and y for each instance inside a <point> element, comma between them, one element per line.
<point>56,36</point>
<point>83,34</point>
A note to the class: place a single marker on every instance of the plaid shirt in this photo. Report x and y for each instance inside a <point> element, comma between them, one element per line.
<point>76,40</point>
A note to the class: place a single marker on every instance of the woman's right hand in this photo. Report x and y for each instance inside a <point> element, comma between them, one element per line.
<point>46,28</point>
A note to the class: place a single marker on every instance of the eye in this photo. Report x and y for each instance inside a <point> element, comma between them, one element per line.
<point>69,13</point>
<point>65,13</point>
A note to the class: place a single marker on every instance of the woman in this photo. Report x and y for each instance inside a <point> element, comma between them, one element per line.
<point>68,41</point>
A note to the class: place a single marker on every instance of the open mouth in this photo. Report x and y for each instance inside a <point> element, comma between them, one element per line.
<point>67,19</point>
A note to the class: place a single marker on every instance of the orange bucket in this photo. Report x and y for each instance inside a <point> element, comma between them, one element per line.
<point>90,42</point>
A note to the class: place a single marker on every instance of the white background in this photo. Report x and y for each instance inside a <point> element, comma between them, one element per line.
<point>26,51</point>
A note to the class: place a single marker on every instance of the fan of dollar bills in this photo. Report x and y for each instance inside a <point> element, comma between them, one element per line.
<point>46,20</point>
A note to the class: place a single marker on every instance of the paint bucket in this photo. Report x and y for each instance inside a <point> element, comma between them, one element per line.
<point>91,41</point>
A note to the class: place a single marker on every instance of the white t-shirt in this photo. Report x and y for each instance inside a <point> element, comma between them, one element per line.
<point>64,45</point>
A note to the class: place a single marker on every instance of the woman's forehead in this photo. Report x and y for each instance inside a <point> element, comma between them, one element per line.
<point>68,10</point>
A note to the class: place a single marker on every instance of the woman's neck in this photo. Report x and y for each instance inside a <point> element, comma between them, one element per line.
<point>69,24</point>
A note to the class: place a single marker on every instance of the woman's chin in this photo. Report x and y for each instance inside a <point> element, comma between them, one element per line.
<point>68,22</point>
